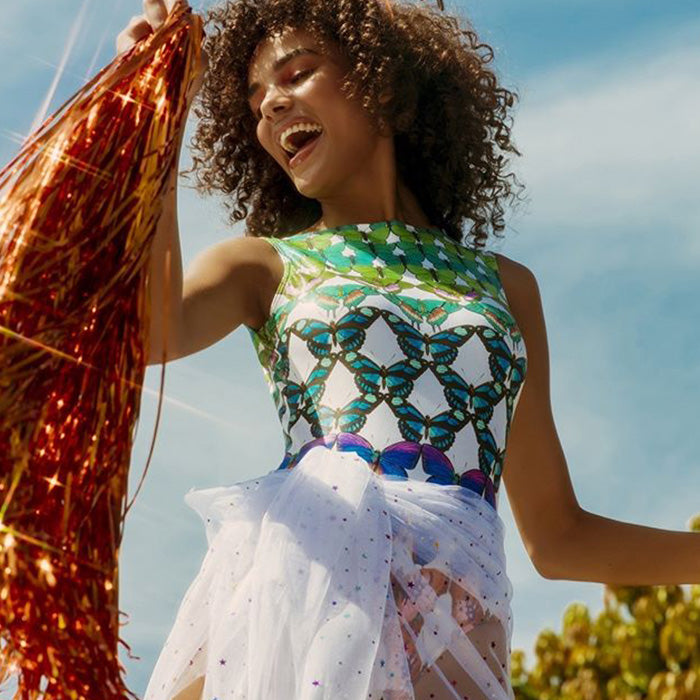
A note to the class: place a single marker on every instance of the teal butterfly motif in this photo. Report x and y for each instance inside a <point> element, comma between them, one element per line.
<point>299,395</point>
<point>479,400</point>
<point>439,430</point>
<point>501,358</point>
<point>349,331</point>
<point>441,346</point>
<point>517,378</point>
<point>490,457</point>
<point>347,419</point>
<point>395,380</point>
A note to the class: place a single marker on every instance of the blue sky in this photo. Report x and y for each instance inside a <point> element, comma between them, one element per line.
<point>608,126</point>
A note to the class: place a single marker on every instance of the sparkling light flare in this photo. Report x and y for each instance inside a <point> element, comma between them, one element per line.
<point>79,206</point>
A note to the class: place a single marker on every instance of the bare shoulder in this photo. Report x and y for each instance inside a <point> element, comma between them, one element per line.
<point>522,291</point>
<point>233,281</point>
<point>250,260</point>
<point>245,251</point>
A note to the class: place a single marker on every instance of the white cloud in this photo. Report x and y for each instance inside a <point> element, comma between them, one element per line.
<point>614,144</point>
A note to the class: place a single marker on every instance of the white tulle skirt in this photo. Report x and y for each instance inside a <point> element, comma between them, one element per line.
<point>331,582</point>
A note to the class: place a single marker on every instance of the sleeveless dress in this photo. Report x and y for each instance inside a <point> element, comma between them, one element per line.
<point>369,564</point>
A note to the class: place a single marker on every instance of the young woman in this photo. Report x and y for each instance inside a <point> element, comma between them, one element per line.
<point>362,134</point>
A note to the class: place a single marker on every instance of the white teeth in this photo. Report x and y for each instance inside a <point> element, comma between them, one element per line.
<point>305,126</point>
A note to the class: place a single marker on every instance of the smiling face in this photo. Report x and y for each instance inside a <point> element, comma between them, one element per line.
<point>293,77</point>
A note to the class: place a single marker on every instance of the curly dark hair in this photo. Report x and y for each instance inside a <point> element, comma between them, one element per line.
<point>448,114</point>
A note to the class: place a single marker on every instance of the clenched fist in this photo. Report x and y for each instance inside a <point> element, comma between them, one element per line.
<point>155,12</point>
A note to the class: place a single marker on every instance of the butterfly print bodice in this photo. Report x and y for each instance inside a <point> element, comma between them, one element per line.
<point>398,343</point>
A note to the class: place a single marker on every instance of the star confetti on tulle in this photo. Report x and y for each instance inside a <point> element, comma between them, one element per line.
<point>316,683</point>
<point>222,662</point>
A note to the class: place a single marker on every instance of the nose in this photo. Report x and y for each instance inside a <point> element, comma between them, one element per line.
<point>275,101</point>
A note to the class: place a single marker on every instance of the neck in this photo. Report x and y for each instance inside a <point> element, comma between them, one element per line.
<point>377,194</point>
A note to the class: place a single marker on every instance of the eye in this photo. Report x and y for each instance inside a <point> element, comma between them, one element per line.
<point>302,74</point>
<point>294,79</point>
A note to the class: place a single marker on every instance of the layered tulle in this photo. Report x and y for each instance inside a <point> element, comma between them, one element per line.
<point>312,579</point>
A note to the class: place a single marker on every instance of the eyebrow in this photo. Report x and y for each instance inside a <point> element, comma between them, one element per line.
<point>280,63</point>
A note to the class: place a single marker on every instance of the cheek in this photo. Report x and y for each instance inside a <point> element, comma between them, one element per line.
<point>264,139</point>
<point>260,134</point>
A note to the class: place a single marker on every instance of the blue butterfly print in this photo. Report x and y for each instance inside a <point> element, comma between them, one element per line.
<point>349,418</point>
<point>300,395</point>
<point>439,430</point>
<point>517,376</point>
<point>500,355</point>
<point>441,346</point>
<point>479,400</point>
<point>394,460</point>
<point>348,331</point>
<point>490,457</point>
<point>396,379</point>
<point>286,462</point>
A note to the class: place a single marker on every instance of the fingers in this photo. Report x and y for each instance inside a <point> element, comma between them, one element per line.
<point>138,28</point>
<point>170,5</point>
<point>155,12</point>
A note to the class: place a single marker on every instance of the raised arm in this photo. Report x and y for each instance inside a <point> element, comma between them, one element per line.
<point>228,284</point>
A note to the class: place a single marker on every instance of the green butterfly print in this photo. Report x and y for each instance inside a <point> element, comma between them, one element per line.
<point>279,363</point>
<point>299,396</point>
<point>409,254</point>
<point>438,430</point>
<point>422,310</point>
<point>479,400</point>
<point>495,315</point>
<point>348,331</point>
<point>441,346</point>
<point>346,295</point>
<point>395,380</point>
<point>346,419</point>
<point>459,294</point>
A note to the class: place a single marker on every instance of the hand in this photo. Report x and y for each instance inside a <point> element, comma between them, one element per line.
<point>141,26</point>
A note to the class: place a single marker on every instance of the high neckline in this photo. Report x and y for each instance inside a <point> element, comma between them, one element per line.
<point>367,226</point>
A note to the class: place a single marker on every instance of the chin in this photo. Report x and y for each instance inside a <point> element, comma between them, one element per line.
<point>307,189</point>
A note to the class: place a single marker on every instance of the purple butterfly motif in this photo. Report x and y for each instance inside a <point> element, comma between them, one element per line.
<point>393,461</point>
<point>476,480</point>
<point>325,440</point>
<point>441,471</point>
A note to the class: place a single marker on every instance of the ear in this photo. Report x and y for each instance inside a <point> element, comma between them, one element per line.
<point>385,96</point>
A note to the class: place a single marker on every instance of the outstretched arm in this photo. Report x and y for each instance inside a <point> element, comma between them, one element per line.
<point>565,541</point>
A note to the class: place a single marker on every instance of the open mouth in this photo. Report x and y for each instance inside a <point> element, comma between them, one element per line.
<point>305,143</point>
